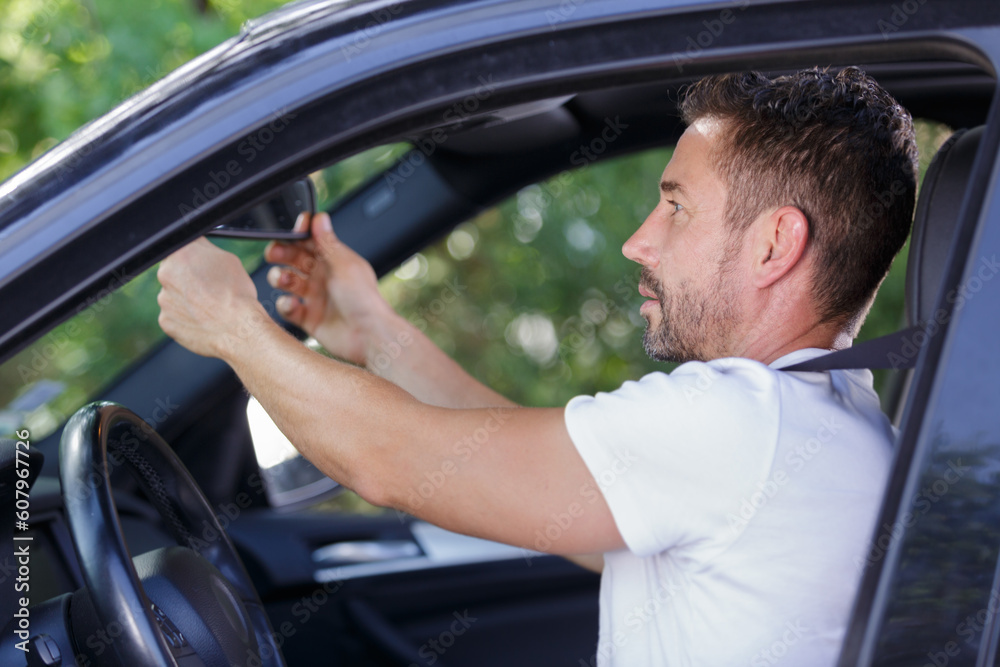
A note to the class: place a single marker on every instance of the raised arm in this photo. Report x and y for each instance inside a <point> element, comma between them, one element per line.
<point>336,300</point>
<point>502,473</point>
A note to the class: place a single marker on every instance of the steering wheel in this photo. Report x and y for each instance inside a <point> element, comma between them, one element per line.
<point>181,606</point>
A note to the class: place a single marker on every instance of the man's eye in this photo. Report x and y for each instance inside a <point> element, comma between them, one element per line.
<point>677,207</point>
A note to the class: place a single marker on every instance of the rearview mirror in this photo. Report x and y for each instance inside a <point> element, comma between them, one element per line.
<point>275,218</point>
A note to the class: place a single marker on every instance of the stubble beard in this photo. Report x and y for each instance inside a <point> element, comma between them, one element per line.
<point>692,326</point>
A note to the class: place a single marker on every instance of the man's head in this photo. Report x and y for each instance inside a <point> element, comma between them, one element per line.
<point>782,208</point>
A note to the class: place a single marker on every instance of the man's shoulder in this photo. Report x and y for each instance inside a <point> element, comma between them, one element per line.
<point>729,378</point>
<point>723,395</point>
<point>736,387</point>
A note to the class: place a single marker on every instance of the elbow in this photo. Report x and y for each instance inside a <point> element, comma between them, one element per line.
<point>381,462</point>
<point>373,490</point>
<point>374,476</point>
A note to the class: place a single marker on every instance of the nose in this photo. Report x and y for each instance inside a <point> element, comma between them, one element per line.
<point>639,247</point>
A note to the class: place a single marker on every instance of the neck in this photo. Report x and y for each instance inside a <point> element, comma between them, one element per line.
<point>817,338</point>
<point>773,338</point>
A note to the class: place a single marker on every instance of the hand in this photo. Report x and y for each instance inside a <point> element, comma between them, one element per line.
<point>335,290</point>
<point>207,301</point>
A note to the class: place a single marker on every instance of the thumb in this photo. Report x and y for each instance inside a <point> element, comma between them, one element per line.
<point>328,246</point>
<point>323,235</point>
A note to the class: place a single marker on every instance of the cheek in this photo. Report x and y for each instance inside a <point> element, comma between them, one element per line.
<point>689,255</point>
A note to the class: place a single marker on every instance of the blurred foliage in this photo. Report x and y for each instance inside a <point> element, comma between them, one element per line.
<point>533,297</point>
<point>62,64</point>
<point>546,305</point>
<point>41,386</point>
<point>66,62</point>
<point>337,181</point>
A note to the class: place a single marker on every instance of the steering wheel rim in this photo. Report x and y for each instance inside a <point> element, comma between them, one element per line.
<point>108,571</point>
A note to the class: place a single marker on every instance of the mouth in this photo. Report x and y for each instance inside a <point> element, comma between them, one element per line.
<point>648,306</point>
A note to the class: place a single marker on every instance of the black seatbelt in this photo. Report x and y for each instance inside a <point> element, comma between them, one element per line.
<point>897,350</point>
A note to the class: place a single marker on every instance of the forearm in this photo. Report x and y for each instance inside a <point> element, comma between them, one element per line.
<point>592,562</point>
<point>404,355</point>
<point>495,473</point>
<point>326,407</point>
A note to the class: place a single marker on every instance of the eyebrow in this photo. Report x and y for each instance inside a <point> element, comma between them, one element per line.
<point>672,186</point>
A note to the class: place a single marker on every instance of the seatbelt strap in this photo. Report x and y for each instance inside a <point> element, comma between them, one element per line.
<point>897,350</point>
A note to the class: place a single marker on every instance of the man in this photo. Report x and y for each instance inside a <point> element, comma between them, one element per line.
<point>732,501</point>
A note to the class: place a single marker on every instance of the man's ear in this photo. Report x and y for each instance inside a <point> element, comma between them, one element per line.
<point>779,244</point>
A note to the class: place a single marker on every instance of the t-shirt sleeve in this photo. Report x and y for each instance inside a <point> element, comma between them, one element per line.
<point>675,455</point>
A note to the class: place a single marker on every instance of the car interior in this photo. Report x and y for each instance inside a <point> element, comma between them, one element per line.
<point>382,588</point>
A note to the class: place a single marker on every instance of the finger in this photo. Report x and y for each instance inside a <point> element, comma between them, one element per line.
<point>291,309</point>
<point>172,266</point>
<point>161,299</point>
<point>165,319</point>
<point>299,255</point>
<point>327,242</point>
<point>277,251</point>
<point>302,222</point>
<point>287,280</point>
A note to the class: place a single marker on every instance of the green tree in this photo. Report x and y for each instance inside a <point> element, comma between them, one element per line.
<point>66,62</point>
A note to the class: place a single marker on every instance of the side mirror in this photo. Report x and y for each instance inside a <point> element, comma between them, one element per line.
<point>275,218</point>
<point>290,481</point>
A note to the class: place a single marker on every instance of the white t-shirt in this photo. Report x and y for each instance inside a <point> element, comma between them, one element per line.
<point>746,497</point>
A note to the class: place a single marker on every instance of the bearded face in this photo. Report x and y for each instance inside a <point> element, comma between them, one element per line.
<point>691,323</point>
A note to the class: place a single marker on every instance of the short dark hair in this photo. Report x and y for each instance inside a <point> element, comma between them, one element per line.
<point>835,145</point>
